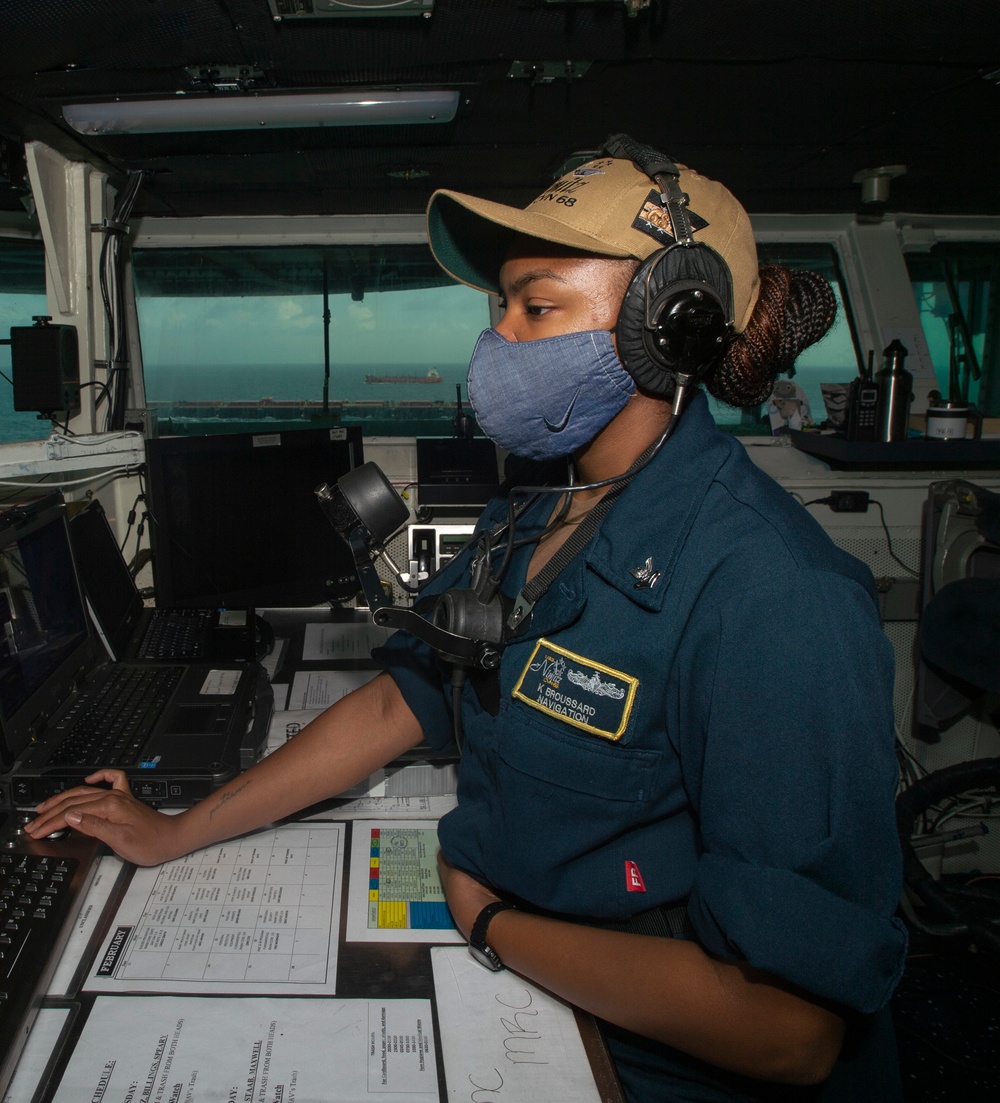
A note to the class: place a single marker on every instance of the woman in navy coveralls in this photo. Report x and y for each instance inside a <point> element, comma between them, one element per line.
<point>697,716</point>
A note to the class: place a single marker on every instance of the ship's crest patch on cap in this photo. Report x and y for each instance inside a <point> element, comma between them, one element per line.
<point>654,220</point>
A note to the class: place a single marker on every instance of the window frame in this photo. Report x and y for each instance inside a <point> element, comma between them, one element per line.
<point>870,255</point>
<point>920,234</point>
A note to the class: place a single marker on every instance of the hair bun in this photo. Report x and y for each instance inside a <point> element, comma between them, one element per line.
<point>794,309</point>
<point>810,310</point>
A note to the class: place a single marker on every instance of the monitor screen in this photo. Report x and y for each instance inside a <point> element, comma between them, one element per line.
<point>44,641</point>
<point>235,520</point>
<point>454,472</point>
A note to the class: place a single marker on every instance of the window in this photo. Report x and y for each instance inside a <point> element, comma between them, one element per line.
<point>22,297</point>
<point>239,338</point>
<point>956,287</point>
<point>373,335</point>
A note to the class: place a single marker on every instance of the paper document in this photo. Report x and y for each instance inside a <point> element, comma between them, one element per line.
<point>182,1050</point>
<point>342,641</point>
<point>109,869</point>
<point>503,1038</point>
<point>260,914</point>
<point>395,894</point>
<point>414,791</point>
<point>429,809</point>
<point>37,1052</point>
<point>318,689</point>
<point>272,661</point>
<point>286,724</point>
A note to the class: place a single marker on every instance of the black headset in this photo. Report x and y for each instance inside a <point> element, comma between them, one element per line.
<point>676,318</point>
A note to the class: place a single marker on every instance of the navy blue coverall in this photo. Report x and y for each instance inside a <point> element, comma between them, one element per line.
<point>699,711</point>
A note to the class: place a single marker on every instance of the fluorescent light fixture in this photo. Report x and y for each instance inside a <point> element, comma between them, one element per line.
<point>181,113</point>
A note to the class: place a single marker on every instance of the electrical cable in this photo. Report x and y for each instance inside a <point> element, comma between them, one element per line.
<point>829,500</point>
<point>911,769</point>
<point>109,475</point>
<point>112,286</point>
<point>129,522</point>
<point>571,488</point>
<point>888,539</point>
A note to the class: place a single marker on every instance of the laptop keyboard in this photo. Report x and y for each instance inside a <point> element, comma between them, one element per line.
<point>41,888</point>
<point>108,725</point>
<point>176,634</point>
<point>34,897</point>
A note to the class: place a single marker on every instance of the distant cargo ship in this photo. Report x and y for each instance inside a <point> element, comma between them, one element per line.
<point>432,376</point>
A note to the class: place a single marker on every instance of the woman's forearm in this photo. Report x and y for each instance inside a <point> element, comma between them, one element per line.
<point>350,740</point>
<point>670,990</point>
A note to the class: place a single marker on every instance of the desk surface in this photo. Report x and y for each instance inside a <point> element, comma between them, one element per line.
<point>380,970</point>
<point>377,974</point>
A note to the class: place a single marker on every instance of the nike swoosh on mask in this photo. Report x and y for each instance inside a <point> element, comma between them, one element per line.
<point>560,425</point>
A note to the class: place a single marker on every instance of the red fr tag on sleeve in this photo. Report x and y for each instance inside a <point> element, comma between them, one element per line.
<point>633,878</point>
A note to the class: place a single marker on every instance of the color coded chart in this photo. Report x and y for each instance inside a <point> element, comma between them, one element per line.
<point>404,891</point>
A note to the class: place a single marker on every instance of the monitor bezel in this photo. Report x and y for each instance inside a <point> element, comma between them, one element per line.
<point>173,588</point>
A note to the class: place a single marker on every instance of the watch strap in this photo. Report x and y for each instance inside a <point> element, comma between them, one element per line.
<point>478,946</point>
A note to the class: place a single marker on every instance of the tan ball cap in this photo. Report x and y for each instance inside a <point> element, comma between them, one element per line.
<point>607,206</point>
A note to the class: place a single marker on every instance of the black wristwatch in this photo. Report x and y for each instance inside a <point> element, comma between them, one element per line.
<point>478,946</point>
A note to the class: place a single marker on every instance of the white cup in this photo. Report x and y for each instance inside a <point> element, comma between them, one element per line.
<point>947,422</point>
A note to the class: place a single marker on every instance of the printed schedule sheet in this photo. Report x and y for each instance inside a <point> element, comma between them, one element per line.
<point>176,1049</point>
<point>258,914</point>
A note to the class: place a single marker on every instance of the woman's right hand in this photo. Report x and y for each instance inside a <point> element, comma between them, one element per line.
<point>132,829</point>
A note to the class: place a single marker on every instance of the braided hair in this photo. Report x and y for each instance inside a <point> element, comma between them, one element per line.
<point>794,309</point>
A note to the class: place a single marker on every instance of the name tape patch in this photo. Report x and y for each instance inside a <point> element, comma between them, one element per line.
<point>579,691</point>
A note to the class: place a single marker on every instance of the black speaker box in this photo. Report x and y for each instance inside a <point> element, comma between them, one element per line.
<point>45,368</point>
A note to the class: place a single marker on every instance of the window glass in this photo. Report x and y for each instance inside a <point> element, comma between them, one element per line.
<point>956,289</point>
<point>22,297</point>
<point>374,335</point>
<point>236,338</point>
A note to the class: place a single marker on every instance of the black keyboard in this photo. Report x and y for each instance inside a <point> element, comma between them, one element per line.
<point>109,724</point>
<point>41,889</point>
<point>176,634</point>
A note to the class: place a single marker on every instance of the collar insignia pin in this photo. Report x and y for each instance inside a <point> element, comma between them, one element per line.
<point>645,576</point>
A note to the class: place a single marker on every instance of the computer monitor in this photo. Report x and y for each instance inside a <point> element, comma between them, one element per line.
<point>235,520</point>
<point>456,472</point>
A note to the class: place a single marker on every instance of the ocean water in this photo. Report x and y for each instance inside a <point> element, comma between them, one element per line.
<point>18,426</point>
<point>169,383</point>
<point>409,408</point>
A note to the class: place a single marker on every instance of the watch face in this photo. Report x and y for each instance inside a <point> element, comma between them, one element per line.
<point>486,957</point>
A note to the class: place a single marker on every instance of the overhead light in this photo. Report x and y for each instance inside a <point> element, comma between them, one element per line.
<point>340,9</point>
<point>181,113</point>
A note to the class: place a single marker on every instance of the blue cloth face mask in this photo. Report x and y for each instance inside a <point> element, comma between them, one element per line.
<point>546,398</point>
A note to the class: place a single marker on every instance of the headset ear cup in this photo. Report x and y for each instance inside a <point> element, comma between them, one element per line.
<point>651,376</point>
<point>675,317</point>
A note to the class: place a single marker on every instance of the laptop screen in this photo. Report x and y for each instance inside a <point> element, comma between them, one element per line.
<point>105,577</point>
<point>43,629</point>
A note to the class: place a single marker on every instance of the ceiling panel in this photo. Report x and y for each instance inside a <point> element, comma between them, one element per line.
<point>784,101</point>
